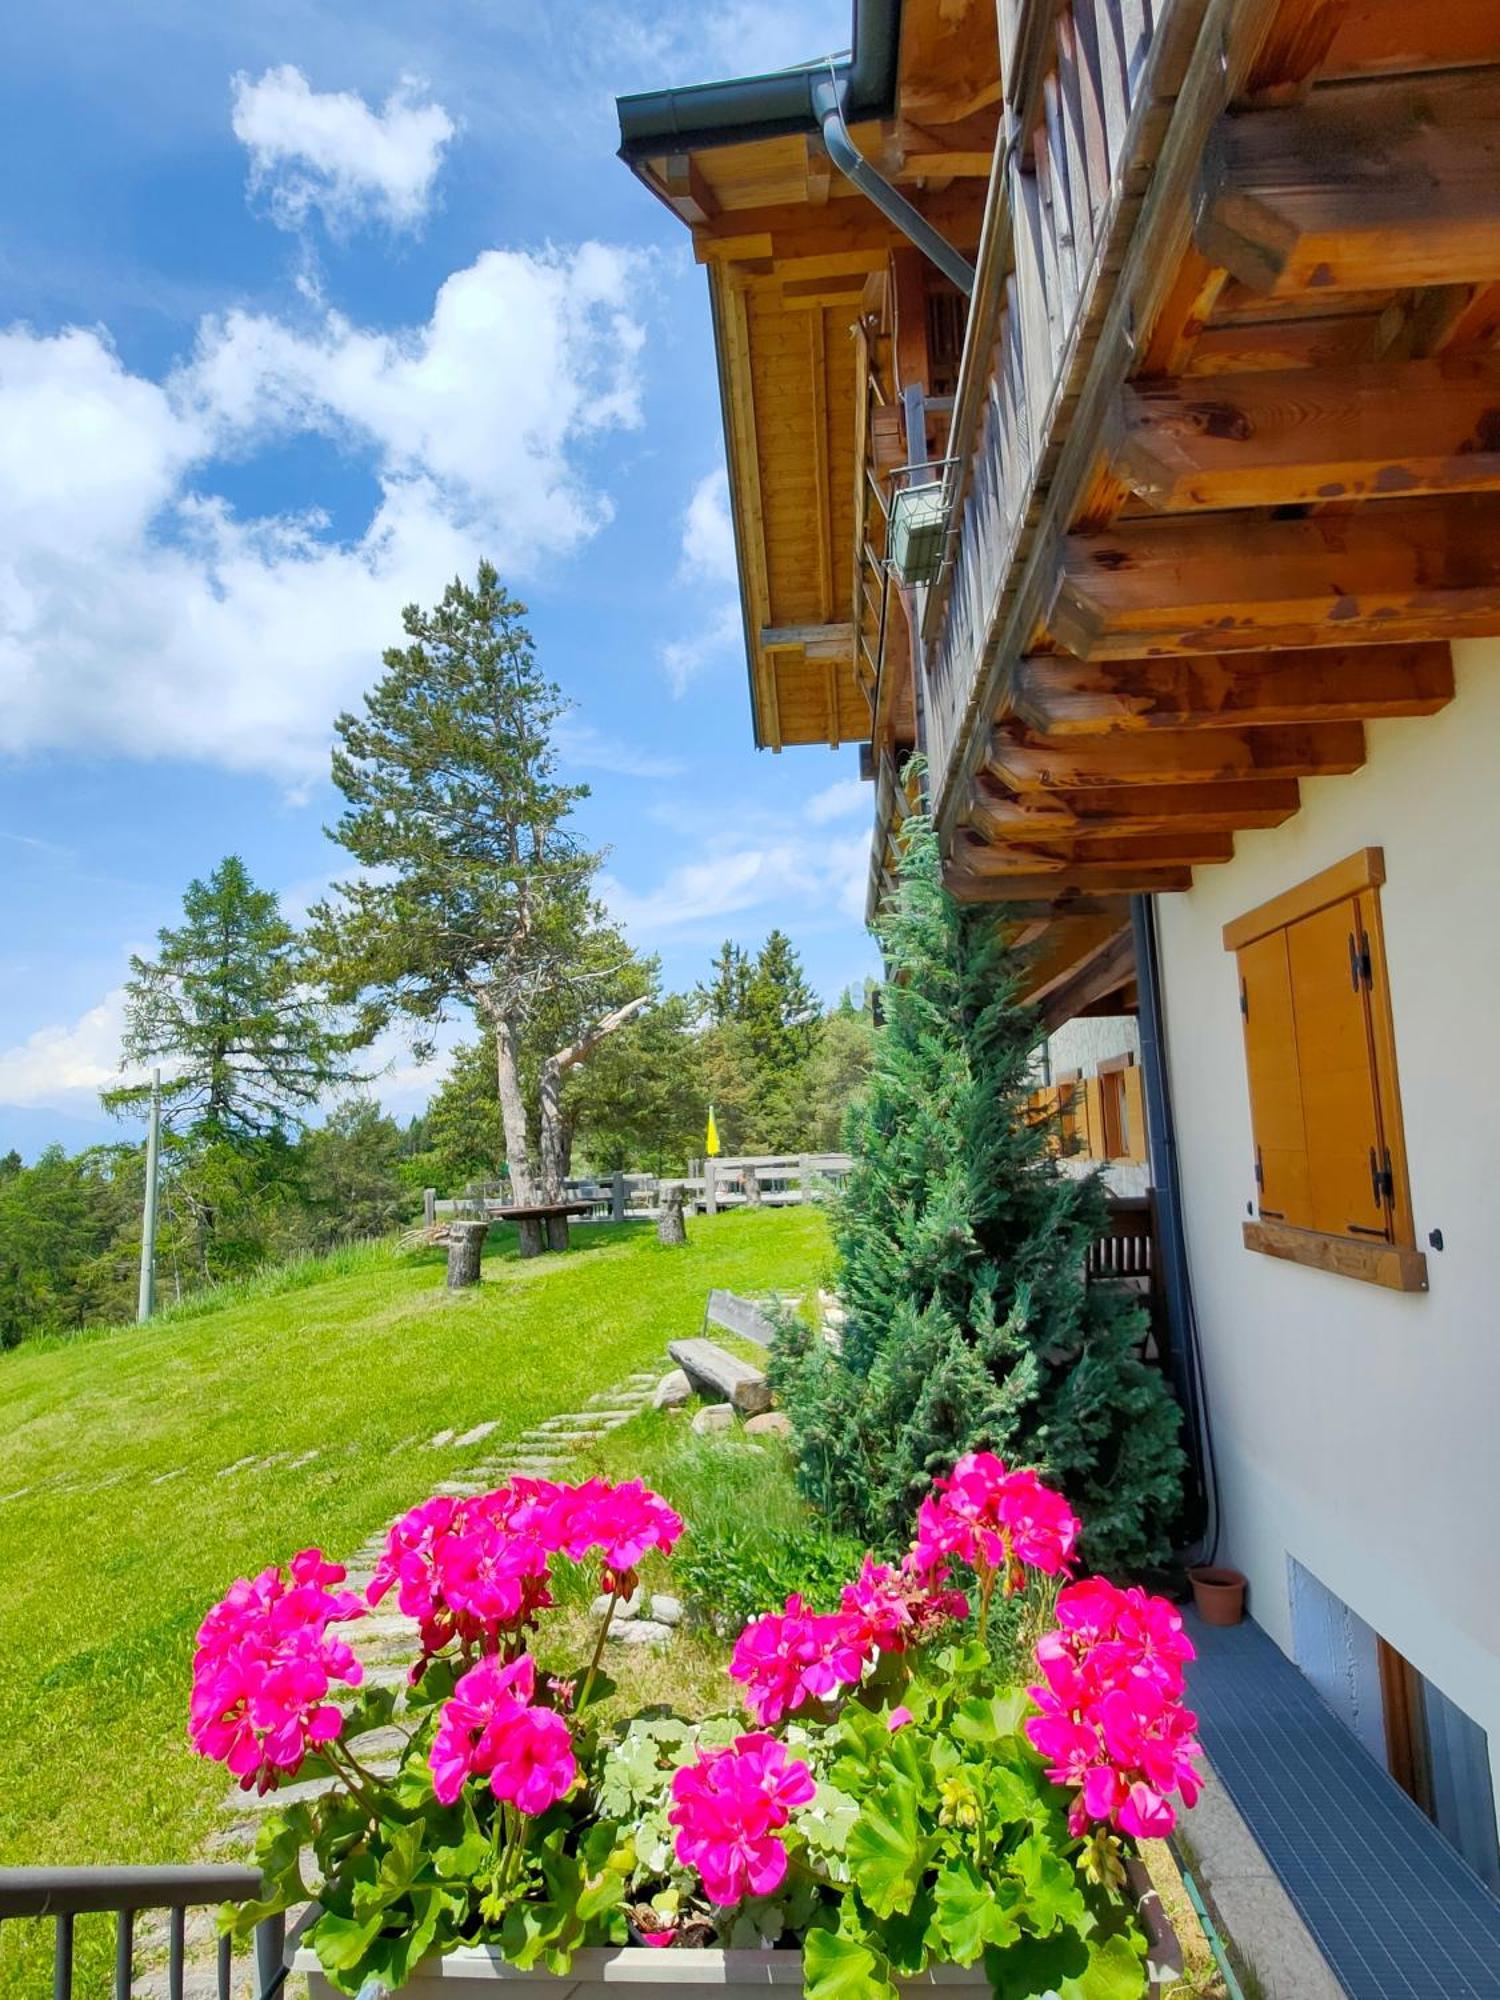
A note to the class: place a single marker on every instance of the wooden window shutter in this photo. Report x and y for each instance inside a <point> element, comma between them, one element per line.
<point>1135,1114</point>
<point>1329,958</point>
<point>1283,1187</point>
<point>1093,1113</point>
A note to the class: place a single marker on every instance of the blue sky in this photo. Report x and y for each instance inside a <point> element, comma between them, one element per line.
<point>302,310</point>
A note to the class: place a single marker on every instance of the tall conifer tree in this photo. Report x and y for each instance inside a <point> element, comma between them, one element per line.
<point>962,1247</point>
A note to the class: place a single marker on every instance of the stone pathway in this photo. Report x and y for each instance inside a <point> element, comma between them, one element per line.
<point>384,1643</point>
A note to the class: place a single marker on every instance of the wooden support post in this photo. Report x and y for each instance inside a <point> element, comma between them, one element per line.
<point>710,1187</point>
<point>529,1240</point>
<point>429,1208</point>
<point>804,1177</point>
<point>617,1197</point>
<point>670,1227</point>
<point>465,1248</point>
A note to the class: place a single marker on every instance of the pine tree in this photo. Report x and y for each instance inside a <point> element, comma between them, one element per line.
<point>483,890</point>
<point>227,1006</point>
<point>961,1267</point>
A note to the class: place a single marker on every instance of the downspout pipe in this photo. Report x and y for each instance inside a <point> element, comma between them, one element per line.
<point>1185,1357</point>
<point>828,95</point>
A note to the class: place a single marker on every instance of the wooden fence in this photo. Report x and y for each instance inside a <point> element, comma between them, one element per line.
<point>781,1180</point>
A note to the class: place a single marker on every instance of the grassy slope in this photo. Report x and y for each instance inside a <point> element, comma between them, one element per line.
<point>104,1576</point>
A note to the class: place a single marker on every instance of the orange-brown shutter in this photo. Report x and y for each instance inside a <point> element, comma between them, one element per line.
<point>1093,1113</point>
<point>1276,1115</point>
<point>1135,1115</point>
<point>1336,1065</point>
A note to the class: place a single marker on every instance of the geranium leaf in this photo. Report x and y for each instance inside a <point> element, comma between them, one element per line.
<point>886,1850</point>
<point>835,1967</point>
<point>969,1913</point>
<point>342,1942</point>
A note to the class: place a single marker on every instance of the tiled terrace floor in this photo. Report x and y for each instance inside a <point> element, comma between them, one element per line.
<point>1394,1910</point>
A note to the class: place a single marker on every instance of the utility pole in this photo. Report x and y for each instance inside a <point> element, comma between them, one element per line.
<point>146,1297</point>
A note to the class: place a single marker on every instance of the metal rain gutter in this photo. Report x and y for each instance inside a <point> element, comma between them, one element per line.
<point>828,102</point>
<point>705,115</point>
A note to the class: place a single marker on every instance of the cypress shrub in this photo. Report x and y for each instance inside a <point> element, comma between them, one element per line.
<point>961,1247</point>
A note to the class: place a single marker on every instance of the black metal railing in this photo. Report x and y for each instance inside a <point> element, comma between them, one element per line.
<point>65,1894</point>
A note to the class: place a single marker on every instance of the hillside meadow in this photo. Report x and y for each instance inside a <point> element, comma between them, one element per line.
<point>142,1470</point>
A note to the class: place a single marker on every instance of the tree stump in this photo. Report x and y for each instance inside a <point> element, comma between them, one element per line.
<point>671,1228</point>
<point>752,1188</point>
<point>465,1247</point>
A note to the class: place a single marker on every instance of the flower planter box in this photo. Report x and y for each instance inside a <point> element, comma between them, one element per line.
<point>675,1974</point>
<point>473,1972</point>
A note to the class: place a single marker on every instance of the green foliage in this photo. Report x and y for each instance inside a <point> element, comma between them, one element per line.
<point>68,1235</point>
<point>962,1250</point>
<point>226,1005</point>
<point>729,1571</point>
<point>351,1179</point>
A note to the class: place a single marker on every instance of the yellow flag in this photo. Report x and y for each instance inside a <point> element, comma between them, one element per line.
<point>711,1140</point>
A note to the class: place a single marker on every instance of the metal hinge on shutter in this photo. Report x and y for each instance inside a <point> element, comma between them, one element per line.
<point>1382,1179</point>
<point>1260,1172</point>
<point>1361,971</point>
<point>1244,1001</point>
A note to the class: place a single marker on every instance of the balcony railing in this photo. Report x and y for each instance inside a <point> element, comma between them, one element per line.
<point>65,1894</point>
<point>1080,123</point>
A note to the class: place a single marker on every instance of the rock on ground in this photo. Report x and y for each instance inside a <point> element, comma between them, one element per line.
<point>666,1610</point>
<point>714,1417</point>
<point>641,1632</point>
<point>770,1423</point>
<point>672,1391</point>
<point>628,1608</point>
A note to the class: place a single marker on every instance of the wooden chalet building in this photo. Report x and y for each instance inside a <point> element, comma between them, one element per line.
<point>1111,394</point>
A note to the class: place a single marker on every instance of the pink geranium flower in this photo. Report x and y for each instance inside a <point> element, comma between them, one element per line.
<point>729,1807</point>
<point>787,1659</point>
<point>489,1728</point>
<point>996,1520</point>
<point>264,1666</point>
<point>1111,1719</point>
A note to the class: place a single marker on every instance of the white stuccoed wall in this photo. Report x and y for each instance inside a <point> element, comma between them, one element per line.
<point>1356,1429</point>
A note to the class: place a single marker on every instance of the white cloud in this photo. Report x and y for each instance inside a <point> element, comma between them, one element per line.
<point>59,1065</point>
<point>327,150</point>
<point>708,532</point>
<point>706,565</point>
<point>685,659</point>
<point>588,749</point>
<point>783,875</point>
<point>839,800</point>
<point>139,613</point>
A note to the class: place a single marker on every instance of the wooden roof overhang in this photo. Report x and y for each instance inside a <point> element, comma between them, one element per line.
<point>795,258</point>
<point>1263,490</point>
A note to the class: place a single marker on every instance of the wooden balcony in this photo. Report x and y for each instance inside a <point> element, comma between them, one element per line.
<point>1227,464</point>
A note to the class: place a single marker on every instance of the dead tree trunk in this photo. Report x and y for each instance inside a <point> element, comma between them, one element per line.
<point>465,1248</point>
<point>553,1130</point>
<point>670,1227</point>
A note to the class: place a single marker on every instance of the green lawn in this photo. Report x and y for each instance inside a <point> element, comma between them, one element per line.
<point>105,1573</point>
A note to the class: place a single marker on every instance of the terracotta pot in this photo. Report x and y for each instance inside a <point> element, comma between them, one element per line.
<point>1218,1595</point>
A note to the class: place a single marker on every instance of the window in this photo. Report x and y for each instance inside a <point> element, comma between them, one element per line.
<point>1122,1110</point>
<point>1330,1165</point>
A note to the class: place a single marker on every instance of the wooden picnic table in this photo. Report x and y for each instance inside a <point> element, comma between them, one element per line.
<point>529,1218</point>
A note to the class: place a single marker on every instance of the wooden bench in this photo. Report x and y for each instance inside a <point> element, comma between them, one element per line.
<point>741,1316</point>
<point>722,1377</point>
